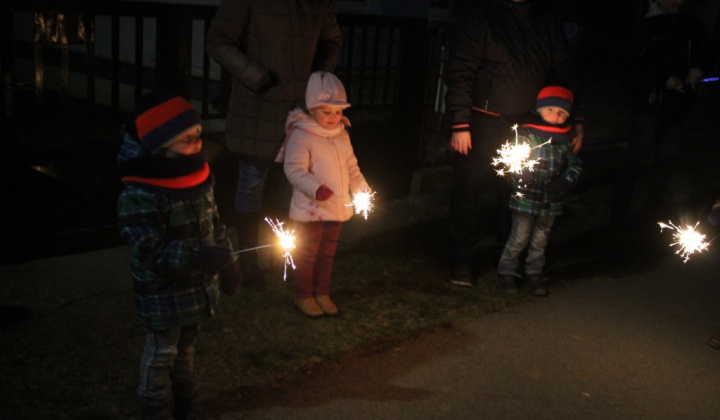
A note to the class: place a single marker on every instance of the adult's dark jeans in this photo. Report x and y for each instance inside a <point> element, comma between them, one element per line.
<point>651,136</point>
<point>251,183</point>
<point>473,175</point>
<point>257,178</point>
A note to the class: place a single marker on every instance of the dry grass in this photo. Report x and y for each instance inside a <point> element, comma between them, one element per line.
<point>73,349</point>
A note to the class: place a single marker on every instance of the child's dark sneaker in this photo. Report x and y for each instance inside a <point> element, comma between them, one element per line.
<point>508,284</point>
<point>537,285</point>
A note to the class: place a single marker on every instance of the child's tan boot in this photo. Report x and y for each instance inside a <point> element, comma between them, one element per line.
<point>327,305</point>
<point>309,307</point>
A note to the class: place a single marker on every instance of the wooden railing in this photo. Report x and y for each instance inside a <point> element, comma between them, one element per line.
<point>66,42</point>
<point>103,55</point>
<point>378,54</point>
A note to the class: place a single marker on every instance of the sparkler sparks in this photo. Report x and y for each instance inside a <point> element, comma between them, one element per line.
<point>687,239</point>
<point>287,242</point>
<point>515,157</point>
<point>362,201</point>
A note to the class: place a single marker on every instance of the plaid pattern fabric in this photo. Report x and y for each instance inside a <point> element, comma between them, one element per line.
<point>164,233</point>
<point>555,160</point>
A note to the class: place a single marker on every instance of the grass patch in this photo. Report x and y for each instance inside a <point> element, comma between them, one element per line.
<point>75,352</point>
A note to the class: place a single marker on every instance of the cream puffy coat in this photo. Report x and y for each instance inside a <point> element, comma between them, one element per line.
<point>315,156</point>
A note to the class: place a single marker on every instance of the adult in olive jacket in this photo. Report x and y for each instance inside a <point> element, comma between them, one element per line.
<point>269,47</point>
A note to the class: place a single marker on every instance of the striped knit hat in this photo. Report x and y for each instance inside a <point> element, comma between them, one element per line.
<point>556,96</point>
<point>161,117</point>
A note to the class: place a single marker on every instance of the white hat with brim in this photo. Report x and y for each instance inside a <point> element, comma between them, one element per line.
<point>325,89</point>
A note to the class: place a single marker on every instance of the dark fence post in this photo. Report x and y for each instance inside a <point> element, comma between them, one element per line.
<point>7,59</point>
<point>38,60</point>
<point>90,70</point>
<point>174,43</point>
<point>412,68</point>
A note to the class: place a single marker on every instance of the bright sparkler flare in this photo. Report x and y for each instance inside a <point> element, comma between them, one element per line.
<point>287,242</point>
<point>688,239</point>
<point>515,157</point>
<point>362,201</point>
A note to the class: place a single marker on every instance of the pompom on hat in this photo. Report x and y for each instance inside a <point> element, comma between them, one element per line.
<point>325,89</point>
<point>161,116</point>
<point>556,96</point>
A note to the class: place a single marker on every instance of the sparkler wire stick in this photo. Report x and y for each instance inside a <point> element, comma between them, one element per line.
<point>250,249</point>
<point>688,239</point>
<point>287,241</point>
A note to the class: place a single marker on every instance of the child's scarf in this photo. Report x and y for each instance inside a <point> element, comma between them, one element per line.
<point>559,133</point>
<point>300,120</point>
<point>186,176</point>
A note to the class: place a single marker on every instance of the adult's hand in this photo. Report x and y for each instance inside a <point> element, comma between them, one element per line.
<point>693,77</point>
<point>460,142</point>
<point>577,141</point>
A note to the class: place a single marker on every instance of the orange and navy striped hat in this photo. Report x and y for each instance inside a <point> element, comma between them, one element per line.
<point>161,117</point>
<point>556,96</point>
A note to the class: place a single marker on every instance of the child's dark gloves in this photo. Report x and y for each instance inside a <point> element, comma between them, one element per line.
<point>714,215</point>
<point>212,258</point>
<point>527,177</point>
<point>230,279</point>
<point>558,185</point>
<point>323,193</point>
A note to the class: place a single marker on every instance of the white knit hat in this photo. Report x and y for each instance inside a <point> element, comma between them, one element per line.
<point>325,89</point>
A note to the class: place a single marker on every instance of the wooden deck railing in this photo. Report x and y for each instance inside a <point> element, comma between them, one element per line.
<point>102,55</point>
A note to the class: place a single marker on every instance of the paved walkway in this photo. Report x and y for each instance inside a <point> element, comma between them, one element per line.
<point>625,347</point>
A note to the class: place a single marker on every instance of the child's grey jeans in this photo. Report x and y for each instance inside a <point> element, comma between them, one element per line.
<point>168,358</point>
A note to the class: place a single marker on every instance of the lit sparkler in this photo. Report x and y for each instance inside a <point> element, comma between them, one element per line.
<point>287,242</point>
<point>687,239</point>
<point>515,157</point>
<point>362,201</point>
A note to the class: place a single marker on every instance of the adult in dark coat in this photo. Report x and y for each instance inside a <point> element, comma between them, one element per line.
<point>673,52</point>
<point>270,47</point>
<point>502,53</point>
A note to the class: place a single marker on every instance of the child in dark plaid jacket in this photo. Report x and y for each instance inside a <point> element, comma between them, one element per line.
<point>168,215</point>
<point>538,197</point>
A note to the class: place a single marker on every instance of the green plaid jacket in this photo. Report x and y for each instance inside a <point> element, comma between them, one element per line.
<point>164,233</point>
<point>554,160</point>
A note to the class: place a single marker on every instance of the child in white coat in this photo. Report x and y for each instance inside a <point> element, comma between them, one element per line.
<point>321,166</point>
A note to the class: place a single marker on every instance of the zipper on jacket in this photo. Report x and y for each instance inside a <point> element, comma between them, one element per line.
<point>337,161</point>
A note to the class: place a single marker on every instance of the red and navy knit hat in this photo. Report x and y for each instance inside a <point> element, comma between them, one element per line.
<point>161,117</point>
<point>556,96</point>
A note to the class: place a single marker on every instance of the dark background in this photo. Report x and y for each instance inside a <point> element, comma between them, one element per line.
<point>59,182</point>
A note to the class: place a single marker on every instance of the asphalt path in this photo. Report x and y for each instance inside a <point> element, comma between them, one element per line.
<point>623,347</point>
